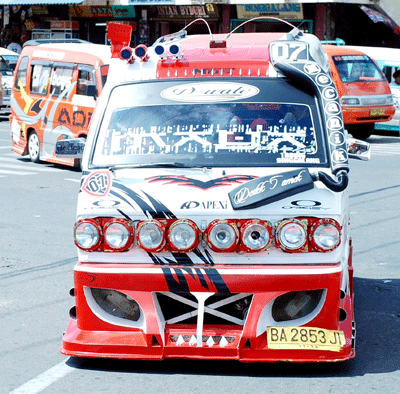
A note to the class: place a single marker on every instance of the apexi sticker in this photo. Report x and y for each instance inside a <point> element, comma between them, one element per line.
<point>205,205</point>
<point>265,190</point>
<point>97,184</point>
<point>209,92</point>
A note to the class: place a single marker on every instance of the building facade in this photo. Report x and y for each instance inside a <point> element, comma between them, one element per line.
<point>358,22</point>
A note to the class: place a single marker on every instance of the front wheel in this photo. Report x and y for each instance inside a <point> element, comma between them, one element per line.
<point>34,147</point>
<point>361,131</point>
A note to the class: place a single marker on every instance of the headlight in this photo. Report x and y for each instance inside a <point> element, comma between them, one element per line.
<point>222,235</point>
<point>350,101</point>
<point>256,235</point>
<point>151,235</point>
<point>183,235</point>
<point>118,235</point>
<point>291,235</point>
<point>87,234</point>
<point>325,235</point>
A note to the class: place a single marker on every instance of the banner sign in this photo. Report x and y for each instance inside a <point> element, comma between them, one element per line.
<point>111,11</point>
<point>284,11</point>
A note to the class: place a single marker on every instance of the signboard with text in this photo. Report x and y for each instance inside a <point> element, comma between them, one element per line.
<point>281,10</point>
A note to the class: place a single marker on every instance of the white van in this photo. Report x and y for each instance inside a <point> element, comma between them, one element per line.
<point>8,61</point>
<point>388,60</point>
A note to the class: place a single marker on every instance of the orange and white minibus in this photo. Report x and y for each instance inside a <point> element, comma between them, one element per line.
<point>54,93</point>
<point>364,92</point>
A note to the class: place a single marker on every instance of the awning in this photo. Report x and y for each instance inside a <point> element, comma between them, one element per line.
<point>377,17</point>
<point>39,2</point>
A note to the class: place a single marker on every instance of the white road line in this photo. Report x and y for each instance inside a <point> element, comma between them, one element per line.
<point>16,172</point>
<point>5,147</point>
<point>42,381</point>
<point>26,165</point>
<point>72,180</point>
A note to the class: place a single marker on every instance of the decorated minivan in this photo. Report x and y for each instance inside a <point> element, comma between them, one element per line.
<point>55,90</point>
<point>213,216</point>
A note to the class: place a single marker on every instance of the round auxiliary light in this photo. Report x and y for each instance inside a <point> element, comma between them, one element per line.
<point>291,235</point>
<point>183,236</point>
<point>256,235</point>
<point>159,50</point>
<point>325,235</point>
<point>174,49</point>
<point>87,234</point>
<point>222,235</point>
<point>118,235</point>
<point>140,50</point>
<point>126,53</point>
<point>151,235</point>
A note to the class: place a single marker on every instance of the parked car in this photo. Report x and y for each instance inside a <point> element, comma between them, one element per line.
<point>8,61</point>
<point>364,92</point>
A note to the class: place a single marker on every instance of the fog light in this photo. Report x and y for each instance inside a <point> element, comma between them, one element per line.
<point>87,234</point>
<point>256,235</point>
<point>116,304</point>
<point>222,235</point>
<point>291,235</point>
<point>296,304</point>
<point>183,236</point>
<point>151,235</point>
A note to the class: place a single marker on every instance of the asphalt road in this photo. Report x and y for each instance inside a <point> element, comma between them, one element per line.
<point>37,256</point>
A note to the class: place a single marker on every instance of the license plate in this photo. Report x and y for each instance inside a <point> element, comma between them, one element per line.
<point>377,111</point>
<point>313,338</point>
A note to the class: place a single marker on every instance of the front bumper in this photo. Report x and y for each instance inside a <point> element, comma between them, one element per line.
<point>166,331</point>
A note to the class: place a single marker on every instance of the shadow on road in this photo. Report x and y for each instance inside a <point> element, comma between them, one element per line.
<point>378,347</point>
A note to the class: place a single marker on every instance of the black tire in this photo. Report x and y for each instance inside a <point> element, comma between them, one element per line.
<point>361,131</point>
<point>34,147</point>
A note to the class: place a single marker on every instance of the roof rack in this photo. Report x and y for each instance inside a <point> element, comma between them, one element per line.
<point>55,41</point>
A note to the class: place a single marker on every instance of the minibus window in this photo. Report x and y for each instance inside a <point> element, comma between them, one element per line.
<point>20,80</point>
<point>104,73</point>
<point>357,68</point>
<point>40,78</point>
<point>86,85</point>
<point>61,80</point>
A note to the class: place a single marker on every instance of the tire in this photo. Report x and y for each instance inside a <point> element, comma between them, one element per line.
<point>361,131</point>
<point>34,147</point>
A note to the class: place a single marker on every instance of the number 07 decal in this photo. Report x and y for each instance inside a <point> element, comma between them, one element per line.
<point>289,50</point>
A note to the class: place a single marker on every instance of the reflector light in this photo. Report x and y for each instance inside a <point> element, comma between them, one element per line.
<point>291,235</point>
<point>87,234</point>
<point>222,235</point>
<point>183,236</point>
<point>151,235</point>
<point>325,235</point>
<point>118,235</point>
<point>256,235</point>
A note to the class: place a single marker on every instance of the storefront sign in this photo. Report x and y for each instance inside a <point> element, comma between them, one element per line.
<point>64,25</point>
<point>184,11</point>
<point>284,10</point>
<point>112,11</point>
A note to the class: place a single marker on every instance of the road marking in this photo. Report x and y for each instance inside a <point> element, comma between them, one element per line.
<point>44,380</point>
<point>16,172</point>
<point>5,147</point>
<point>72,180</point>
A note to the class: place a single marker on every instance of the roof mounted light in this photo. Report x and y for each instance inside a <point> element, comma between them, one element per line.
<point>141,52</point>
<point>125,53</point>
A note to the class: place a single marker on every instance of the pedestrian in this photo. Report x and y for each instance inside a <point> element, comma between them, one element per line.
<point>396,78</point>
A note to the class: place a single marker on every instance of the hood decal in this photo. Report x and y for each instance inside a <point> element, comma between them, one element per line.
<point>209,278</point>
<point>184,181</point>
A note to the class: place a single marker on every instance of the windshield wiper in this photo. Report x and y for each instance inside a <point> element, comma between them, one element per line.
<point>156,165</point>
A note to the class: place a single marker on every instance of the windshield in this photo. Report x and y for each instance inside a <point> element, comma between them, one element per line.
<point>357,68</point>
<point>144,125</point>
<point>7,64</point>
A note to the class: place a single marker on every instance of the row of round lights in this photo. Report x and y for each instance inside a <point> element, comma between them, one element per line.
<point>228,235</point>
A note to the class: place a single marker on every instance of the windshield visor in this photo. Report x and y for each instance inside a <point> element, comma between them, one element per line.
<point>357,68</point>
<point>146,123</point>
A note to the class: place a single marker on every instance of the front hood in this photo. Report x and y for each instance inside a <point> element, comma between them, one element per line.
<point>162,193</point>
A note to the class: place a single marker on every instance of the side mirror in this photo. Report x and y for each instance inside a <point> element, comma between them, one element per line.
<point>72,147</point>
<point>358,149</point>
